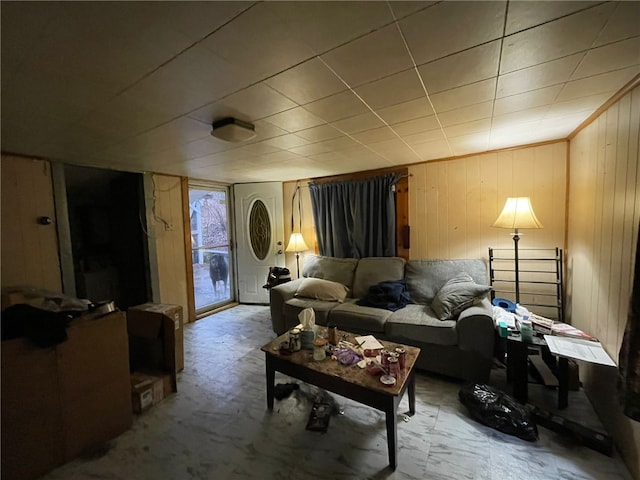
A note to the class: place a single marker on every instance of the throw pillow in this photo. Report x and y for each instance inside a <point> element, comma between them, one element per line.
<point>321,289</point>
<point>456,295</point>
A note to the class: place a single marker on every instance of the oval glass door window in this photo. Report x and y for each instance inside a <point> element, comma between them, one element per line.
<point>259,230</point>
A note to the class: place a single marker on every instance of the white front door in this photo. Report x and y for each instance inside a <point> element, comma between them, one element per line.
<point>260,237</point>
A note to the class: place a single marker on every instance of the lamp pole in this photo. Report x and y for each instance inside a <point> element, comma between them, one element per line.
<point>516,237</point>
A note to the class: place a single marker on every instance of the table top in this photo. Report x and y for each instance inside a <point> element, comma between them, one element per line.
<point>352,373</point>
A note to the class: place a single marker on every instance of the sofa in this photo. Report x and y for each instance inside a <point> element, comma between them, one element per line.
<point>449,314</point>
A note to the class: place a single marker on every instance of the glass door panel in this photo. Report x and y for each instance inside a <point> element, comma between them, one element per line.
<point>210,252</point>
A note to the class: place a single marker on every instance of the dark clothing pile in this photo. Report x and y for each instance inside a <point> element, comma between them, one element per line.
<point>391,295</point>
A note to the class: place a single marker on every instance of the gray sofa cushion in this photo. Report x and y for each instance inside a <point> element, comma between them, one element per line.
<point>418,323</point>
<point>426,277</point>
<point>321,289</point>
<point>373,270</point>
<point>330,268</point>
<point>348,315</point>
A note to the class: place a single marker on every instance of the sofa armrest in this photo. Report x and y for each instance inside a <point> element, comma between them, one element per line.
<point>476,330</point>
<point>278,295</point>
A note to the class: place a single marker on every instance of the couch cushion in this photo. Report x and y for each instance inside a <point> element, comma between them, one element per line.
<point>418,323</point>
<point>373,270</point>
<point>426,277</point>
<point>330,268</point>
<point>321,289</point>
<point>348,316</point>
<point>457,294</point>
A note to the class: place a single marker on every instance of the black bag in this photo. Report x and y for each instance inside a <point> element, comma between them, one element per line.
<point>276,276</point>
<point>498,410</point>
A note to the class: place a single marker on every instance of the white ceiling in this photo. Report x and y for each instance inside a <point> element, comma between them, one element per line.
<point>332,87</point>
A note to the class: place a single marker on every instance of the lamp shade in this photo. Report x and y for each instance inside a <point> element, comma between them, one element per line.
<point>517,213</point>
<point>296,243</point>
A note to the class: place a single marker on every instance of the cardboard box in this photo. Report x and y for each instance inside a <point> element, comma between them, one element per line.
<point>156,338</point>
<point>62,401</point>
<point>148,389</point>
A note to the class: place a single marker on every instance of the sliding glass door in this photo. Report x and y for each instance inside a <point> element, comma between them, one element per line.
<point>210,246</point>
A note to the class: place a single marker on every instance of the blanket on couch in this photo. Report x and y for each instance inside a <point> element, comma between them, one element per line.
<point>390,295</point>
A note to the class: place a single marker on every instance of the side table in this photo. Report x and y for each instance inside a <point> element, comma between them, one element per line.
<point>518,368</point>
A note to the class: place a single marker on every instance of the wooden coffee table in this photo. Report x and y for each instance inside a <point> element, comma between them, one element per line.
<point>351,382</point>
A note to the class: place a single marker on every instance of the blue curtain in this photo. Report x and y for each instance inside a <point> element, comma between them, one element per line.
<point>355,219</point>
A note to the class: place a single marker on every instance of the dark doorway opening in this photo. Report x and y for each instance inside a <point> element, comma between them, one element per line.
<point>108,239</point>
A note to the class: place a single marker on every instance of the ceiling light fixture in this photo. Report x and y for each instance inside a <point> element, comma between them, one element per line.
<point>231,129</point>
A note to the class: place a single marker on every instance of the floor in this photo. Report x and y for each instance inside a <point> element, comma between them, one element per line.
<point>217,427</point>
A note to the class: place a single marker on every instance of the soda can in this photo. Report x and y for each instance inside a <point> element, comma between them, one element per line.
<point>394,367</point>
<point>402,356</point>
<point>384,357</point>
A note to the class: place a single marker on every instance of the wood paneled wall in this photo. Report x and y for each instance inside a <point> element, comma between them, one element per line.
<point>166,232</point>
<point>308,226</point>
<point>29,249</point>
<point>454,202</point>
<point>603,222</point>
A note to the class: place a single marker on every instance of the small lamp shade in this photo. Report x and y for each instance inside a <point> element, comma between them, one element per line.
<point>296,243</point>
<point>517,213</point>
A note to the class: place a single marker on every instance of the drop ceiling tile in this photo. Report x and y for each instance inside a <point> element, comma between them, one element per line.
<point>423,124</point>
<point>527,115</point>
<point>395,151</point>
<point>258,43</point>
<point>463,68</point>
<point>420,107</point>
<point>540,76</point>
<point>466,114</point>
<point>358,123</point>
<point>337,107</point>
<point>402,9</point>
<point>325,25</point>
<point>622,24</point>
<point>258,148</point>
<point>307,82</point>
<point>368,58</point>
<point>554,40</point>
<point>589,103</point>
<point>483,125</point>
<point>340,143</point>
<point>524,101</point>
<point>286,141</point>
<point>472,143</point>
<point>598,83</point>
<point>463,96</point>
<point>424,137</point>
<point>398,88</point>
<point>462,24</point>
<point>358,154</point>
<point>614,56</point>
<point>524,15</point>
<point>374,135</point>
<point>295,119</point>
<point>266,130</point>
<point>311,149</point>
<point>433,150</point>
<point>319,133</point>
<point>280,156</point>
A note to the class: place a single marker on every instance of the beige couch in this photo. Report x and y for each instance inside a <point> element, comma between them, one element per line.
<point>460,347</point>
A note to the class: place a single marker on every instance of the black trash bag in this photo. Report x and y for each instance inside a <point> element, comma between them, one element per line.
<point>498,410</point>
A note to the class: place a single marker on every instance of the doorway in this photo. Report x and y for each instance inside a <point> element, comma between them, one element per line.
<point>213,271</point>
<point>107,231</point>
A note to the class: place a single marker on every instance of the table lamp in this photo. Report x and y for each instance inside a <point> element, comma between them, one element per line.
<point>297,245</point>
<point>517,213</point>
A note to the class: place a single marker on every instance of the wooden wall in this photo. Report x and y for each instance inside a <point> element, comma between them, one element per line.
<point>166,236</point>
<point>454,202</point>
<point>308,226</point>
<point>29,249</point>
<point>603,222</point>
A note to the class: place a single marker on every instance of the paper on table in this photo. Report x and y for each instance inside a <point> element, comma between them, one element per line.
<point>579,349</point>
<point>369,342</point>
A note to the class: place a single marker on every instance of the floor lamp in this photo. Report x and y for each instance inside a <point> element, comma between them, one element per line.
<point>296,242</point>
<point>517,213</point>
<point>297,245</point>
